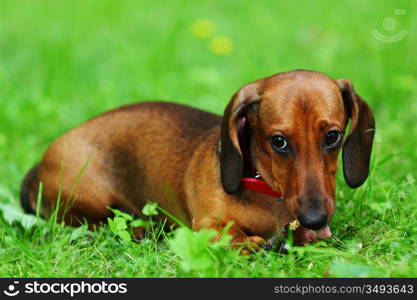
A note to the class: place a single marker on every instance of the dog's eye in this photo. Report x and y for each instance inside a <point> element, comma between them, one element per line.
<point>280,144</point>
<point>332,139</point>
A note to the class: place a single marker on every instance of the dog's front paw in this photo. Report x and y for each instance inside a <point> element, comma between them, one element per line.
<point>252,244</point>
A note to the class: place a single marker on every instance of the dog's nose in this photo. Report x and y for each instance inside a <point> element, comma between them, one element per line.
<point>314,220</point>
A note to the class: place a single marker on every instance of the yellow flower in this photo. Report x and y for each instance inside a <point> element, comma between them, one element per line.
<point>294,224</point>
<point>203,28</point>
<point>221,45</point>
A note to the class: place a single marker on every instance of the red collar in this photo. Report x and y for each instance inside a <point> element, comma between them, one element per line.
<point>259,186</point>
<point>253,183</point>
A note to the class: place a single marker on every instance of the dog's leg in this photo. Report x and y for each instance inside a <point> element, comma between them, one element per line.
<point>240,240</point>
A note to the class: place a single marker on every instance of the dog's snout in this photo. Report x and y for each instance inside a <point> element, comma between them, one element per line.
<point>313,220</point>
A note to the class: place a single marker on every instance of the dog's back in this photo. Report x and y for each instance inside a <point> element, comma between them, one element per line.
<point>104,160</point>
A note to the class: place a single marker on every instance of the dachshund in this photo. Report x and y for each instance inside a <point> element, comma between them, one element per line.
<point>269,161</point>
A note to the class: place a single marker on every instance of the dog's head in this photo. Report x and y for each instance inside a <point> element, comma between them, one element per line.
<point>295,126</point>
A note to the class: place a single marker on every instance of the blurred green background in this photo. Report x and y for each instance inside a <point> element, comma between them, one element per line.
<point>62,62</point>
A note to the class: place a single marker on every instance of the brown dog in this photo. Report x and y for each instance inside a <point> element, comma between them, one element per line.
<point>288,127</point>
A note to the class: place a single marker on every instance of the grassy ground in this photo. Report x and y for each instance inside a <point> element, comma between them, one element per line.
<point>61,64</point>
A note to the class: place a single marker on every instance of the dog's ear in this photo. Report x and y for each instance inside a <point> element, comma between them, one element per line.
<point>358,145</point>
<point>231,159</point>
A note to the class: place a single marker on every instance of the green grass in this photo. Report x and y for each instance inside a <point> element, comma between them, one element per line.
<point>63,62</point>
